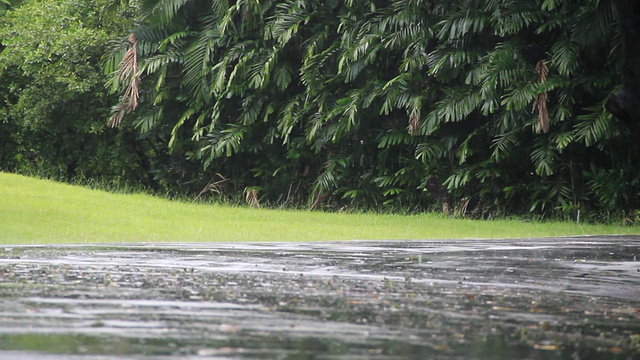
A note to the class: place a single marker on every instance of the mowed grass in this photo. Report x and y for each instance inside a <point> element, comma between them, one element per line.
<point>35,211</point>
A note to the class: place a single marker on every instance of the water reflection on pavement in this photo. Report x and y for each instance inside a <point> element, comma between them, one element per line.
<point>553,298</point>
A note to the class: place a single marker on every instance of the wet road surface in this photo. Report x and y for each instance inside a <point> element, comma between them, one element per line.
<point>554,298</point>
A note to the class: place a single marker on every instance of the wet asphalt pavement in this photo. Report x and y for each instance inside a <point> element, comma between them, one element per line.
<point>554,298</point>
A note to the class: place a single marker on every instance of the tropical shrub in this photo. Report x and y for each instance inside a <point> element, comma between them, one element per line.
<point>356,102</point>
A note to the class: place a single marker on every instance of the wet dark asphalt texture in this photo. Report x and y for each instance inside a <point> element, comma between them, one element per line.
<point>553,298</point>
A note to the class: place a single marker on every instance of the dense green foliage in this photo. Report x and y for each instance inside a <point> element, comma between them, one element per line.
<point>349,102</point>
<point>53,102</point>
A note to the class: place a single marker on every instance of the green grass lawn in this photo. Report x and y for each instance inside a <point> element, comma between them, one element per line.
<point>34,211</point>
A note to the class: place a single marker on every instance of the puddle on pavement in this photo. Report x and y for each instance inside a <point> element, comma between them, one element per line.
<point>557,298</point>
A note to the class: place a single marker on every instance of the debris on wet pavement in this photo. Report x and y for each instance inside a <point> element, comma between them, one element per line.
<point>552,298</point>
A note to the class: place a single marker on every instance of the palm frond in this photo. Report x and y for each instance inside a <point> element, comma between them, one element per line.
<point>503,144</point>
<point>540,104</point>
<point>128,70</point>
<point>594,126</point>
<point>544,157</point>
<point>564,56</point>
<point>161,10</point>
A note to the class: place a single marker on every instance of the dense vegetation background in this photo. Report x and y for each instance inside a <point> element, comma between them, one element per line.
<point>325,104</point>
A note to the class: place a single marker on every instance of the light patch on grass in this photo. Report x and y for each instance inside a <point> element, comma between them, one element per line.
<point>34,211</point>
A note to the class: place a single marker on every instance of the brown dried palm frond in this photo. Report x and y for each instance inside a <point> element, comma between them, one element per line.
<point>251,196</point>
<point>540,103</point>
<point>317,199</point>
<point>414,122</point>
<point>128,69</point>
<point>542,70</point>
<point>213,186</point>
<point>461,209</point>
